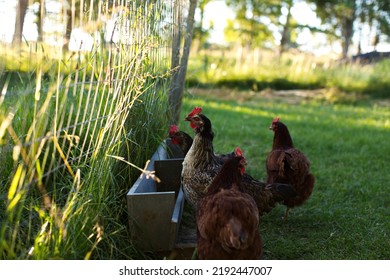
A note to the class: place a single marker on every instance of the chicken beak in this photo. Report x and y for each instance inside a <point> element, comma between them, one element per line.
<point>187,118</point>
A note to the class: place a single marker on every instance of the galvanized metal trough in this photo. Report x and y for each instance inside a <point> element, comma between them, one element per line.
<point>155,209</point>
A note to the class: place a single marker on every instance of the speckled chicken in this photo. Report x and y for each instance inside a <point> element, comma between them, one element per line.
<point>227,218</point>
<point>201,165</point>
<point>286,164</point>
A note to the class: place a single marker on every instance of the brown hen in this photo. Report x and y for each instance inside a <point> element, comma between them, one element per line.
<point>201,165</point>
<point>227,218</point>
<point>286,164</point>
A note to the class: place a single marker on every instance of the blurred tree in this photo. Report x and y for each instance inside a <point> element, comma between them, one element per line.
<point>84,13</point>
<point>20,16</point>
<point>200,34</point>
<point>376,14</point>
<point>180,64</point>
<point>338,16</point>
<point>75,11</point>
<point>287,28</point>
<point>344,17</point>
<point>40,20</point>
<point>19,21</point>
<point>71,12</point>
<point>249,27</point>
<point>257,20</point>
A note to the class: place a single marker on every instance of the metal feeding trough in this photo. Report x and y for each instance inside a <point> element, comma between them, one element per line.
<point>155,209</point>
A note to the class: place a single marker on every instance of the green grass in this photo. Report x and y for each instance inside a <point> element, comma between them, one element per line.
<point>292,71</point>
<point>347,216</point>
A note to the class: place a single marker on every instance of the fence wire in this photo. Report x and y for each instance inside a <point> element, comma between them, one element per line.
<point>75,95</point>
<point>118,50</point>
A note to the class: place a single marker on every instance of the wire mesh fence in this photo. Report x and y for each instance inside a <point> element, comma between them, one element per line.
<point>90,88</point>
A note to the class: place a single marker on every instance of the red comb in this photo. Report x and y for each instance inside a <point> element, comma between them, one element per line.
<point>238,152</point>
<point>276,120</point>
<point>173,128</point>
<point>195,111</point>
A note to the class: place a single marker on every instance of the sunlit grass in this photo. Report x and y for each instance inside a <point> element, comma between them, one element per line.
<point>62,122</point>
<point>292,71</point>
<point>346,217</point>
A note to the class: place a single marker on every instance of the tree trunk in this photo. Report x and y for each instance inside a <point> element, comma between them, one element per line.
<point>347,29</point>
<point>20,16</point>
<point>286,32</point>
<point>70,19</point>
<point>199,40</point>
<point>174,93</point>
<point>178,79</point>
<point>41,18</point>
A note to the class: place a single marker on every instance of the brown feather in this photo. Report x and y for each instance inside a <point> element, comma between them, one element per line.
<point>286,164</point>
<point>227,218</point>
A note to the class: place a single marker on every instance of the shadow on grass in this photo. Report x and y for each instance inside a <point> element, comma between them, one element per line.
<point>253,84</point>
<point>21,82</point>
<point>376,88</point>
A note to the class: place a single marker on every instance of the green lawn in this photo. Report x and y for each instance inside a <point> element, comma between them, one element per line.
<point>348,214</point>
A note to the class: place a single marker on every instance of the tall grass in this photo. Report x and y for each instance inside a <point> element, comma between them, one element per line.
<point>63,124</point>
<point>262,69</point>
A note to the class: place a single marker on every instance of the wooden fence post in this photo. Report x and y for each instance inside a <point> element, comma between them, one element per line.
<point>179,64</point>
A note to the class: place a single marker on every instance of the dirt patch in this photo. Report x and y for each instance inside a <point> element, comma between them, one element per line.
<point>383,102</point>
<point>294,96</point>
